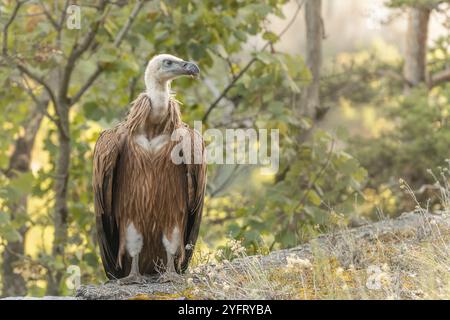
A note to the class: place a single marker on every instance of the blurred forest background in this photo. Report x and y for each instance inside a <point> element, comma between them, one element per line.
<point>360,91</point>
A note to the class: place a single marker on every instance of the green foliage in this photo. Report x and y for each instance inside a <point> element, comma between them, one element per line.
<point>421,133</point>
<point>322,172</point>
<point>414,3</point>
<point>318,180</point>
<point>220,28</point>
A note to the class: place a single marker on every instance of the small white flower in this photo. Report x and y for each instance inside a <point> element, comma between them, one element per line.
<point>293,261</point>
<point>219,253</point>
<point>385,267</point>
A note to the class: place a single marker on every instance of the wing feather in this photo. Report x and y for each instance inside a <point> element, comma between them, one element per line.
<point>106,155</point>
<point>196,173</point>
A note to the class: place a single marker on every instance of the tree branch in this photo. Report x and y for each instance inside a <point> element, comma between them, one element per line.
<point>35,77</point>
<point>27,89</point>
<point>122,33</point>
<point>63,15</point>
<point>77,50</point>
<point>439,78</point>
<point>8,24</point>
<point>25,257</point>
<point>249,64</point>
<point>25,70</point>
<point>40,105</point>
<point>86,85</point>
<point>225,183</point>
<point>56,121</point>
<point>389,73</point>
<point>19,65</point>
<point>117,42</point>
<point>48,15</point>
<point>312,184</point>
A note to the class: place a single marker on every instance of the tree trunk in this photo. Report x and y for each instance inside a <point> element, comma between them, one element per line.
<point>314,35</point>
<point>60,210</point>
<point>310,99</point>
<point>414,70</point>
<point>13,284</point>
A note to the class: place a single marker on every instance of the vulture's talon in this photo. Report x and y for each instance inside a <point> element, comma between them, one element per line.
<point>132,279</point>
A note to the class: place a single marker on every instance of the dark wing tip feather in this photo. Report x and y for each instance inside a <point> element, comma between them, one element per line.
<point>106,155</point>
<point>196,188</point>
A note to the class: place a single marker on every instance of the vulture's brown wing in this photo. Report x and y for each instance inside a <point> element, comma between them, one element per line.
<point>106,156</point>
<point>196,193</point>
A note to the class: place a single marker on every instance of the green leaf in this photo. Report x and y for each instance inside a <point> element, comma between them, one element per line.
<point>4,218</point>
<point>276,107</point>
<point>270,36</point>
<point>240,35</point>
<point>265,57</point>
<point>10,234</point>
<point>92,110</point>
<point>91,259</point>
<point>314,198</point>
<point>23,183</point>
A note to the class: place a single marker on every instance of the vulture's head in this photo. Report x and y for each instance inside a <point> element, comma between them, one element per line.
<point>165,67</point>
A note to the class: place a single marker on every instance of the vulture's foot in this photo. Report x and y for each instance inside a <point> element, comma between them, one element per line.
<point>132,279</point>
<point>170,277</point>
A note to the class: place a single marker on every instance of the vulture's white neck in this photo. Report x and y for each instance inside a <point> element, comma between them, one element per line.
<point>159,94</point>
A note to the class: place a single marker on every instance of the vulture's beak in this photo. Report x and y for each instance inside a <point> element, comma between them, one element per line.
<point>190,69</point>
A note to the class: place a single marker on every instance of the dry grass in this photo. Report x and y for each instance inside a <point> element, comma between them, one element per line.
<point>412,264</point>
<point>403,267</point>
<point>403,259</point>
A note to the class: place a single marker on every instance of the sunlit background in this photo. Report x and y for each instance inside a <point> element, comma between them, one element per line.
<point>345,160</point>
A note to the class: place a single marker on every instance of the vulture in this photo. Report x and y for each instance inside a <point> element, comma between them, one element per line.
<point>148,207</point>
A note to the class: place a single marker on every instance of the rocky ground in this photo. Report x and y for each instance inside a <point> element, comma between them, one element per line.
<point>348,247</point>
<point>414,226</point>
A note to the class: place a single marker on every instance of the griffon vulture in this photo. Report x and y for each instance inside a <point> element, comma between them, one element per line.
<point>148,208</point>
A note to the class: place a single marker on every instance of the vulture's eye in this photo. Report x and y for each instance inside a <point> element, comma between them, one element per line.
<point>168,63</point>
